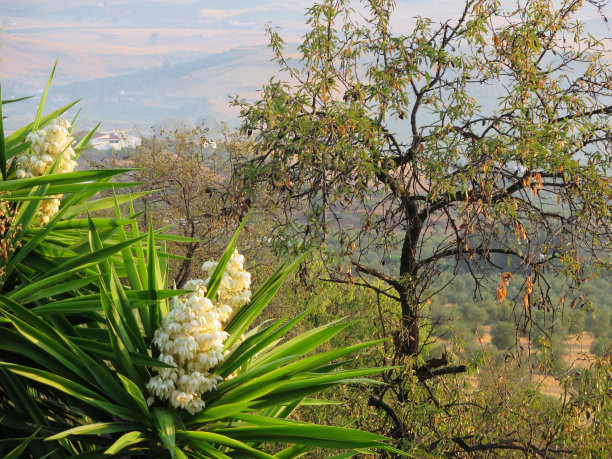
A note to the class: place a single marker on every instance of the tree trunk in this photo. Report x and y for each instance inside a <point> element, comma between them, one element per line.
<point>409,333</point>
<point>185,268</point>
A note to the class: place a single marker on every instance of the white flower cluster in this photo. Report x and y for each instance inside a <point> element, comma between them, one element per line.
<point>191,337</point>
<point>234,289</point>
<point>46,145</point>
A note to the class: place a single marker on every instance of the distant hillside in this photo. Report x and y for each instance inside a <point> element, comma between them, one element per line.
<point>192,90</point>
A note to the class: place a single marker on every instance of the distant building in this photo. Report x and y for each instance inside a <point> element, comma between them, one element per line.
<point>114,140</point>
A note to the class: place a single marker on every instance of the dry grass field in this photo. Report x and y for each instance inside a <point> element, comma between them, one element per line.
<point>576,356</point>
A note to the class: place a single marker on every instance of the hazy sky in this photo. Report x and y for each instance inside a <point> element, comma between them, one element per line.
<point>112,37</point>
<point>99,40</point>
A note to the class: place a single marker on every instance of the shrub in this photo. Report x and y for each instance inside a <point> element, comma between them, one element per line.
<point>81,299</point>
<point>503,335</point>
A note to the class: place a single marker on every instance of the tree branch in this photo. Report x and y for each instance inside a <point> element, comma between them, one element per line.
<point>431,368</point>
<point>372,272</point>
<point>362,284</point>
<point>399,431</point>
<point>482,251</point>
<point>600,111</point>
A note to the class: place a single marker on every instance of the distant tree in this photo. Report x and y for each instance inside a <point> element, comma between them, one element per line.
<point>473,314</point>
<point>600,323</point>
<point>502,336</point>
<point>602,347</point>
<point>190,180</point>
<point>389,128</point>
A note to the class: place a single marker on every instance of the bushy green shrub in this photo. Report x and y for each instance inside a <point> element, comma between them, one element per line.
<point>81,299</point>
<point>503,335</point>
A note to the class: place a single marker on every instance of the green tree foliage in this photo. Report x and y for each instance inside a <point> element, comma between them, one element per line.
<point>600,322</point>
<point>502,336</point>
<point>390,128</point>
<point>602,347</point>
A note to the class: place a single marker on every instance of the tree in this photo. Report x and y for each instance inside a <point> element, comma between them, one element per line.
<point>502,336</point>
<point>190,180</point>
<point>380,146</point>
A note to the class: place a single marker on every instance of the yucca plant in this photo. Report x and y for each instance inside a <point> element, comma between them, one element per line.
<point>81,299</point>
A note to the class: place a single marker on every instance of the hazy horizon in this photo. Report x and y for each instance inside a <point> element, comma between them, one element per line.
<point>118,52</point>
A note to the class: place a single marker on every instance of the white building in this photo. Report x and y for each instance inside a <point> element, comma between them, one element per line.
<point>114,140</point>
